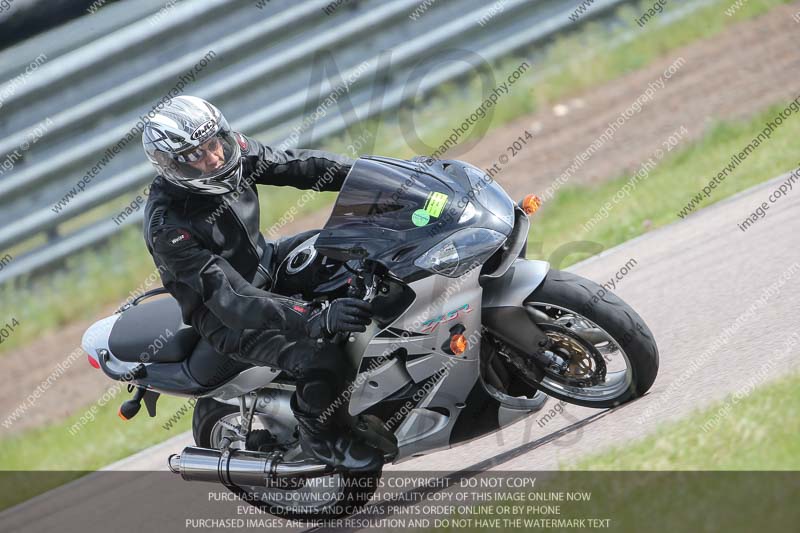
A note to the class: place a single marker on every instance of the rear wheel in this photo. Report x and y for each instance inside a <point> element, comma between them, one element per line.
<point>601,352</point>
<point>310,499</point>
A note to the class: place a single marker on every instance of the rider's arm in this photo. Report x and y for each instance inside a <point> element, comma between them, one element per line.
<point>297,167</point>
<point>236,302</point>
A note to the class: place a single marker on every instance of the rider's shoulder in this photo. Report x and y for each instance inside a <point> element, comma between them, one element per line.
<point>160,216</point>
<point>167,233</point>
<point>250,147</point>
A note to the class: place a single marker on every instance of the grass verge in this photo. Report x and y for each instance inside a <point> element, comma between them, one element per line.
<point>70,451</point>
<point>760,431</point>
<point>657,199</point>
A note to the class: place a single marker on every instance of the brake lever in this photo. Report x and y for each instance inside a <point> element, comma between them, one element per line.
<point>355,291</point>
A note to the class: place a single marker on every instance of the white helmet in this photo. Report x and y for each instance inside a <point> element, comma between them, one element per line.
<point>191,145</point>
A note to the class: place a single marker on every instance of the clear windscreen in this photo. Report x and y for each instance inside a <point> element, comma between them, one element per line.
<point>393,212</point>
<point>390,197</point>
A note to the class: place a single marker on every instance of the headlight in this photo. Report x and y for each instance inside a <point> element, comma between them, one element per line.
<point>464,250</point>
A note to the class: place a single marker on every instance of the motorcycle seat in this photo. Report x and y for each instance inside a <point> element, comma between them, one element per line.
<point>152,331</point>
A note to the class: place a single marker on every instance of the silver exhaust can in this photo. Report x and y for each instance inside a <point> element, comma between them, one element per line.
<point>240,467</point>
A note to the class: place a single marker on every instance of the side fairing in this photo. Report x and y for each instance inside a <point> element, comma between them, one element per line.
<point>443,381</point>
<point>448,402</point>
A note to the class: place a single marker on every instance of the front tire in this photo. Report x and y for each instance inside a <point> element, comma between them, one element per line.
<point>563,303</point>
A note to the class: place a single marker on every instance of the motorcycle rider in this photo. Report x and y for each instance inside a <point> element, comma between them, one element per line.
<point>202,229</point>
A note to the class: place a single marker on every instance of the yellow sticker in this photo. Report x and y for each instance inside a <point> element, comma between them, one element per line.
<point>435,203</point>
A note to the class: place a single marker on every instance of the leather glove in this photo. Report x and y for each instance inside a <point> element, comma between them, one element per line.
<point>345,315</point>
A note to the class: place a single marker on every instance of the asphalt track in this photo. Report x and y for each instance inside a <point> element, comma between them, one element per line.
<point>712,295</point>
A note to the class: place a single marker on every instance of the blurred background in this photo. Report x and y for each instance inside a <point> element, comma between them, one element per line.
<point>687,83</point>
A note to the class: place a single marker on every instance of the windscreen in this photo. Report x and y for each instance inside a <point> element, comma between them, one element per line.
<point>393,211</point>
<point>388,196</point>
<point>386,209</point>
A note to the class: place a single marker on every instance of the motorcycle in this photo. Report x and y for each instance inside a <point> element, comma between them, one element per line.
<point>468,337</point>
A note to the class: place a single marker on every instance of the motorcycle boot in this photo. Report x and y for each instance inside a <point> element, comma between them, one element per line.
<point>322,438</point>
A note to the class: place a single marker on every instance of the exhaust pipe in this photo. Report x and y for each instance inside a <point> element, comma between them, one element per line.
<point>240,467</point>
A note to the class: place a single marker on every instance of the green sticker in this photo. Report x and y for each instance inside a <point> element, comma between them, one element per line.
<point>420,217</point>
<point>435,203</point>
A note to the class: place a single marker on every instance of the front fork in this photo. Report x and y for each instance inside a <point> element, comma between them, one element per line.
<point>515,327</point>
<point>507,316</point>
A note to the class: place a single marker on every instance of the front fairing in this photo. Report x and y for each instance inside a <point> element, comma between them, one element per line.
<point>488,194</point>
<point>392,211</point>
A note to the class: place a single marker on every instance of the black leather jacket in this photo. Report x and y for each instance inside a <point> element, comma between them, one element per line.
<point>209,250</point>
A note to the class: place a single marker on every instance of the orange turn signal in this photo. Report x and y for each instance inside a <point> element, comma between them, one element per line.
<point>531,204</point>
<point>458,344</point>
<point>119,413</point>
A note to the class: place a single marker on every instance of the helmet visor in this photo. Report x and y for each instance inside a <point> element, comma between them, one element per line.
<point>210,161</point>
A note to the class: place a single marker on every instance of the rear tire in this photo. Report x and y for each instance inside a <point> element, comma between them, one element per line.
<point>618,319</point>
<point>356,492</point>
<point>207,413</point>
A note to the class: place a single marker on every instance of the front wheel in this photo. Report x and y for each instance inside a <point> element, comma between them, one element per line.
<point>601,353</point>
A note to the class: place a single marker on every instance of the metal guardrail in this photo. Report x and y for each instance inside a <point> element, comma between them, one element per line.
<point>93,95</point>
<point>74,34</point>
